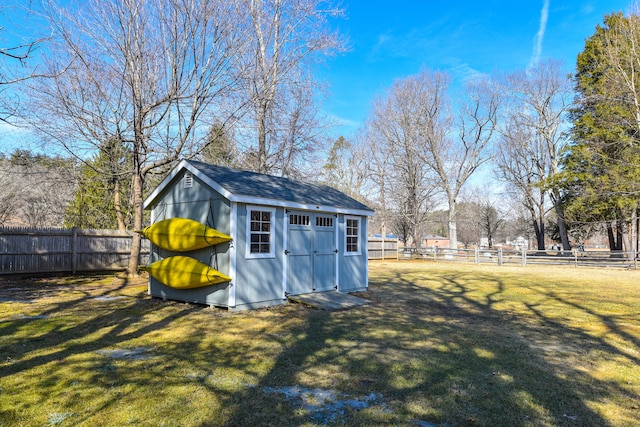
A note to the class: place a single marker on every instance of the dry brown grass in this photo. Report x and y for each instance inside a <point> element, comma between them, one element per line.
<point>442,344</point>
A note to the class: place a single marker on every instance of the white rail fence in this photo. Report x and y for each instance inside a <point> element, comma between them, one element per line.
<point>500,256</point>
<point>61,250</point>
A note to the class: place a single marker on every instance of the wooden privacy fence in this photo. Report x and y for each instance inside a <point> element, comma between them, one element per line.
<point>62,250</point>
<point>382,248</point>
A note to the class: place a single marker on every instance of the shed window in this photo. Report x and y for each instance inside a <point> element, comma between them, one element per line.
<point>324,221</point>
<point>297,219</point>
<point>352,236</point>
<point>260,232</point>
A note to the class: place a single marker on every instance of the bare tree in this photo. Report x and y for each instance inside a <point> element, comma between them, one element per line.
<point>286,36</point>
<point>35,189</point>
<point>295,134</point>
<point>519,165</point>
<point>533,135</point>
<point>480,215</point>
<point>146,73</point>
<point>17,53</point>
<point>377,176</point>
<point>9,193</point>
<point>346,168</point>
<point>20,54</point>
<point>489,217</point>
<point>454,160</point>
<point>394,134</point>
<point>14,56</point>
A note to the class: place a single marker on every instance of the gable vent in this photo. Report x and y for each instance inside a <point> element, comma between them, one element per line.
<point>188,180</point>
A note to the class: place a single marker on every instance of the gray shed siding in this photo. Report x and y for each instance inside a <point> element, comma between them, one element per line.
<point>199,203</point>
<point>352,269</point>
<point>258,281</point>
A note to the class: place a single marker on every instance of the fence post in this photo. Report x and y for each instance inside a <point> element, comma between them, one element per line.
<point>499,256</point>
<point>74,251</point>
<point>575,256</point>
<point>477,255</point>
<point>524,257</point>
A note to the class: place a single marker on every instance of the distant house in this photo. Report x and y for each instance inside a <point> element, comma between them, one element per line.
<point>434,241</point>
<point>289,237</point>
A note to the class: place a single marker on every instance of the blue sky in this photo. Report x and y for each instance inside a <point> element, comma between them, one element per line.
<point>394,39</point>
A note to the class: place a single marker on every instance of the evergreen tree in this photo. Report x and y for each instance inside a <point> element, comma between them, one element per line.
<point>219,148</point>
<point>601,169</point>
<point>101,200</point>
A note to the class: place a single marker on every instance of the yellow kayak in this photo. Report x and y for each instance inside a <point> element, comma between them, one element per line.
<point>183,235</point>
<point>182,272</point>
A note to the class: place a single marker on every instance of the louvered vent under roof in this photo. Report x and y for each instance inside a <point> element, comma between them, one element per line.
<point>188,180</point>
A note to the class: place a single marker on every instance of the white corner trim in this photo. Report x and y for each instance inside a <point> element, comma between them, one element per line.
<point>233,254</point>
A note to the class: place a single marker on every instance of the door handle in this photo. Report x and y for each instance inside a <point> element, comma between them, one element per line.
<point>286,251</point>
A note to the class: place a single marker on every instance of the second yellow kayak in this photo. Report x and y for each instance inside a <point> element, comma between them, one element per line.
<point>182,272</point>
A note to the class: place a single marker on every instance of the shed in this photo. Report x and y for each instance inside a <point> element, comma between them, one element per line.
<point>288,237</point>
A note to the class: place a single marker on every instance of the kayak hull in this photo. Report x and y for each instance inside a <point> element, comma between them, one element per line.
<point>182,272</point>
<point>183,235</point>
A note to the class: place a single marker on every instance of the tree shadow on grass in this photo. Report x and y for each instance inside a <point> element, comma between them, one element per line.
<point>428,351</point>
<point>64,328</point>
<point>435,354</point>
<point>79,350</point>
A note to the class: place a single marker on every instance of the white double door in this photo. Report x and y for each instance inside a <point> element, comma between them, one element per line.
<point>311,251</point>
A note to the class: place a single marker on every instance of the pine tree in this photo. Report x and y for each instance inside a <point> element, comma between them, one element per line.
<point>101,200</point>
<point>601,169</point>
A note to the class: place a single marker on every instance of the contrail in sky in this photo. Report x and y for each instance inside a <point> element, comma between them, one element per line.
<point>537,41</point>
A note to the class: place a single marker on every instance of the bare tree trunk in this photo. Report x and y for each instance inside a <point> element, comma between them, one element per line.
<point>453,228</point>
<point>562,226</point>
<point>631,234</point>
<point>136,246</point>
<point>611,236</point>
<point>626,239</point>
<point>117,203</point>
<point>262,140</point>
<point>538,228</point>
<point>537,220</point>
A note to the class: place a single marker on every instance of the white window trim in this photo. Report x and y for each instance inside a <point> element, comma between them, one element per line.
<point>359,251</point>
<point>272,242</point>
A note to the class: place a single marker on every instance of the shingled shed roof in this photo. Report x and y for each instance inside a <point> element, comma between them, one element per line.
<point>256,188</point>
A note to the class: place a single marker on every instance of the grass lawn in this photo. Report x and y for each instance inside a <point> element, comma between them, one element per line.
<point>440,345</point>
